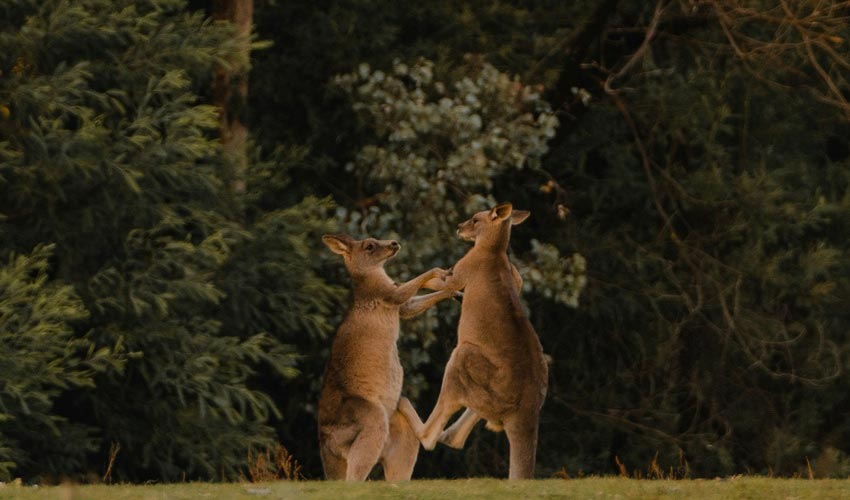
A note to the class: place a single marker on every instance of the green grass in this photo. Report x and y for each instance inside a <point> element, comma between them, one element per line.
<point>587,488</point>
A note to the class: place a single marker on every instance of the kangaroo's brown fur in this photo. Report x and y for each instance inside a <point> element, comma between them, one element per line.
<point>497,370</point>
<point>359,424</point>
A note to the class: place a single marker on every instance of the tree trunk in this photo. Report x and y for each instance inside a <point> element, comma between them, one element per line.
<point>230,88</point>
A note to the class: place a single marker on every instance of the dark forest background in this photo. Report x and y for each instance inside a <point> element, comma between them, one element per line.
<point>166,174</point>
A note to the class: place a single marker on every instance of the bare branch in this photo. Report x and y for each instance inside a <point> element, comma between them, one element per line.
<point>650,34</point>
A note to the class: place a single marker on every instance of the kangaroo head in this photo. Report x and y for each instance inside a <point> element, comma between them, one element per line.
<point>492,228</point>
<point>361,257</point>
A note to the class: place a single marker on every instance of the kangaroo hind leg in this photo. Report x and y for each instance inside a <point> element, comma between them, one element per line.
<point>522,437</point>
<point>401,450</point>
<point>370,440</point>
<point>335,466</point>
<point>455,436</point>
<point>448,402</point>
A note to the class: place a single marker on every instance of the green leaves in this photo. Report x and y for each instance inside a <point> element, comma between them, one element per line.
<point>44,355</point>
<point>162,320</point>
<point>440,146</point>
<point>711,231</point>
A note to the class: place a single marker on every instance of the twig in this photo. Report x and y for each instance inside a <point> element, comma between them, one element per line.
<point>650,34</point>
<point>114,448</point>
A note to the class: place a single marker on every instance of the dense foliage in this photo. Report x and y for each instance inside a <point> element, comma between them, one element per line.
<point>156,319</point>
<point>685,162</point>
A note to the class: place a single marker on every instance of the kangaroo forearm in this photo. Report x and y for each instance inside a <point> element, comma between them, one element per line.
<point>454,282</point>
<point>417,305</point>
<point>408,289</point>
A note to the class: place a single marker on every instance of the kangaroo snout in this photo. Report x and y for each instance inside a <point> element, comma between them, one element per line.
<point>394,244</point>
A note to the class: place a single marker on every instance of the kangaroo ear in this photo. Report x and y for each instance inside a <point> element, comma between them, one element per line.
<point>338,243</point>
<point>519,216</point>
<point>501,212</point>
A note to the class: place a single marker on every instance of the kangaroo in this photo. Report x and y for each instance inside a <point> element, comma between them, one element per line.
<point>497,370</point>
<point>359,424</point>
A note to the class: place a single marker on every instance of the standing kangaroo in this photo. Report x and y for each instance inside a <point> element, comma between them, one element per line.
<point>359,424</point>
<point>497,370</point>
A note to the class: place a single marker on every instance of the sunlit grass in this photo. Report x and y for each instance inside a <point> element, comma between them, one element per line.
<point>587,488</point>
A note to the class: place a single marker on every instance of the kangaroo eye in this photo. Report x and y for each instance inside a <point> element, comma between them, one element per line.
<point>370,247</point>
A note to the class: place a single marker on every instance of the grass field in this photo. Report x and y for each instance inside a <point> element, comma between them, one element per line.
<point>588,488</point>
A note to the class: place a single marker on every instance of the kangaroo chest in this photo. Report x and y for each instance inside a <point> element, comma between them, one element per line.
<point>365,360</point>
